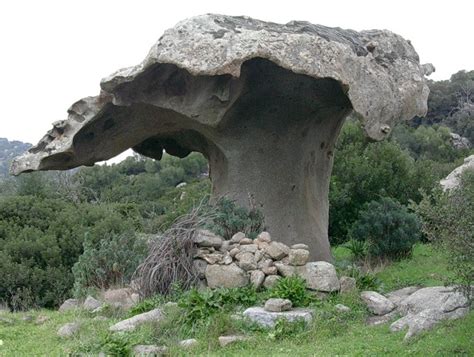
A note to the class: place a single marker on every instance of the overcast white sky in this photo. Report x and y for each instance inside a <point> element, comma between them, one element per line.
<point>55,52</point>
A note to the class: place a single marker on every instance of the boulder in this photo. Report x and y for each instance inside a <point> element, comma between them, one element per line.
<point>277,250</point>
<point>247,261</point>
<point>285,270</point>
<point>347,284</point>
<point>270,270</point>
<point>237,237</point>
<point>270,280</point>
<point>226,276</point>
<point>268,319</point>
<point>205,238</point>
<point>377,303</point>
<point>69,304</point>
<point>133,322</point>
<point>149,350</point>
<point>298,256</point>
<point>234,251</point>
<point>69,329</point>
<point>228,340</point>
<point>91,304</point>
<point>453,180</point>
<point>256,278</point>
<point>320,276</point>
<point>278,305</point>
<point>123,298</point>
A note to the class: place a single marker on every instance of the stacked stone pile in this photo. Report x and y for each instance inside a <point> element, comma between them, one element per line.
<point>261,262</point>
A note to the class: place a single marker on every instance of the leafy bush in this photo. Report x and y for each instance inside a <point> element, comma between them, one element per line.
<point>358,248</point>
<point>109,262</point>
<point>199,305</point>
<point>448,220</point>
<point>292,288</point>
<point>388,228</point>
<point>231,218</point>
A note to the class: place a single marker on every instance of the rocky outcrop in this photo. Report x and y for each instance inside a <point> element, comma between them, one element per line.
<point>459,142</point>
<point>254,97</point>
<point>453,180</point>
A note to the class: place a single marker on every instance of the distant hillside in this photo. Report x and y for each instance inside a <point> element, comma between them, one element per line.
<point>8,150</point>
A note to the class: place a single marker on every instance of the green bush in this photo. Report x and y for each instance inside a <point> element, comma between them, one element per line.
<point>231,218</point>
<point>292,288</point>
<point>448,220</point>
<point>388,228</point>
<point>110,262</point>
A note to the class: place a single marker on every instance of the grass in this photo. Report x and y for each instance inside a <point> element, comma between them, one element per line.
<point>331,333</point>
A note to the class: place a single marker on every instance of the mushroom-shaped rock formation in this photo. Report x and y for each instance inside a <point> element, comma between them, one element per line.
<point>263,102</point>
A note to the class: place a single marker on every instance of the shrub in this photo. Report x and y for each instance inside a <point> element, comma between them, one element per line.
<point>448,221</point>
<point>388,228</point>
<point>292,288</point>
<point>109,262</point>
<point>230,219</point>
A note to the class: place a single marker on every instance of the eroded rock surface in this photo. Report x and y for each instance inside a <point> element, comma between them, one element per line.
<point>254,97</point>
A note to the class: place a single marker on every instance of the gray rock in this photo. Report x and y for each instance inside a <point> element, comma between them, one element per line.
<point>270,280</point>
<point>225,247</point>
<point>425,320</point>
<point>69,304</point>
<point>221,85</point>
<point>27,318</point>
<point>277,250</point>
<point>213,258</point>
<point>259,255</point>
<point>205,238</point>
<point>398,295</point>
<point>298,256</point>
<point>133,322</point>
<point>227,259</point>
<point>149,350</point>
<point>245,241</point>
<point>299,246</point>
<point>234,251</point>
<point>440,298</point>
<point>264,237</point>
<point>256,278</point>
<point>459,142</point>
<point>41,319</point>
<point>189,343</point>
<point>268,319</point>
<point>250,248</point>
<point>271,270</point>
<point>453,180</point>
<point>237,237</point>
<point>278,305</point>
<point>68,330</point>
<point>285,270</point>
<point>377,303</point>
<point>348,284</point>
<point>265,263</point>
<point>199,266</point>
<point>228,340</point>
<point>226,276</point>
<point>123,298</point>
<point>342,308</point>
<point>247,261</point>
<point>320,276</point>
<point>91,304</point>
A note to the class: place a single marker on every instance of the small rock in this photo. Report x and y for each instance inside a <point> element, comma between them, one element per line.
<point>250,248</point>
<point>270,280</point>
<point>264,263</point>
<point>137,320</point>
<point>320,276</point>
<point>227,259</point>
<point>277,250</point>
<point>300,246</point>
<point>246,241</point>
<point>298,256</point>
<point>234,251</point>
<point>41,319</point>
<point>377,303</point>
<point>68,329</point>
<point>225,247</point>
<point>278,305</point>
<point>171,305</point>
<point>199,266</point>
<point>123,298</point>
<point>268,319</point>
<point>261,245</point>
<point>226,276</point>
<point>213,258</point>
<point>227,340</point>
<point>91,304</point>
<point>205,238</point>
<point>189,343</point>
<point>256,278</point>
<point>150,350</point>
<point>237,237</point>
<point>259,254</point>
<point>27,318</point>
<point>247,261</point>
<point>69,304</point>
<point>342,308</point>
<point>285,270</point>
<point>270,270</point>
<point>348,284</point>
<point>264,237</point>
